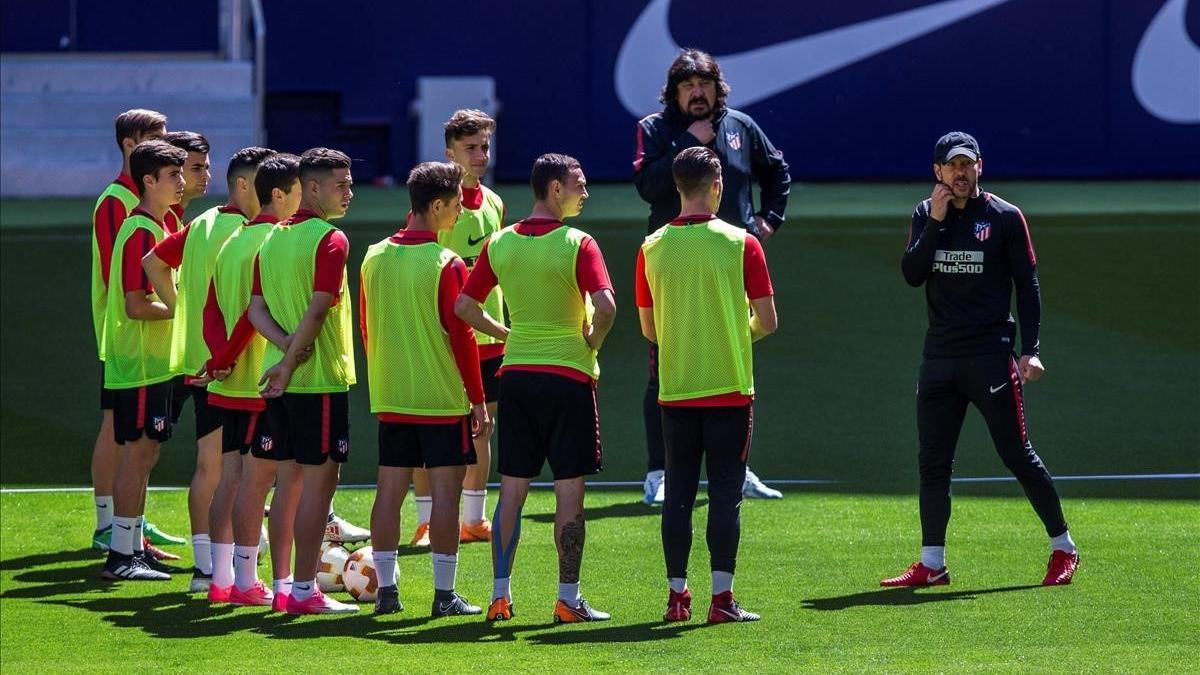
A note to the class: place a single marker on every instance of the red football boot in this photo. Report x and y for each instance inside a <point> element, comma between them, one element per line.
<point>918,574</point>
<point>679,606</point>
<point>1061,568</point>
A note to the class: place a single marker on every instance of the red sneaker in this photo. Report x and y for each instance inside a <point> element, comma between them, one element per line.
<point>280,603</point>
<point>318,603</point>
<point>918,574</point>
<point>725,609</point>
<point>218,595</point>
<point>157,552</point>
<point>679,606</point>
<point>258,596</point>
<point>1061,568</point>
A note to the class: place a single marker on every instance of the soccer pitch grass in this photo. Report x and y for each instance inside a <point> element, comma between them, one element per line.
<point>809,563</point>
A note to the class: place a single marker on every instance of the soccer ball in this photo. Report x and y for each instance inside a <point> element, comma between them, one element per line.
<point>360,578</point>
<point>331,567</point>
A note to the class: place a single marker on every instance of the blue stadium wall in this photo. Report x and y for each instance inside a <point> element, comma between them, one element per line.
<point>1047,87</point>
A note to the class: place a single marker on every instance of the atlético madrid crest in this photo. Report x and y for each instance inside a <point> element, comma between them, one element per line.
<point>734,140</point>
<point>983,230</point>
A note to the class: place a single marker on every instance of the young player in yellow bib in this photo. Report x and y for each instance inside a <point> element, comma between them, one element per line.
<point>192,252</point>
<point>697,277</point>
<point>112,207</point>
<point>561,305</point>
<point>300,291</point>
<point>468,144</point>
<point>237,361</point>
<point>424,378</point>
<point>137,364</point>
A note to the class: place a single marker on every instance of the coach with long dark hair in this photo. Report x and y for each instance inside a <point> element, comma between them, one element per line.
<point>695,114</point>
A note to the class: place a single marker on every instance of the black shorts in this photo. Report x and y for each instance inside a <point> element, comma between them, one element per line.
<point>142,410</point>
<point>246,431</point>
<point>107,396</point>
<point>310,428</point>
<point>208,418</point>
<point>407,445</point>
<point>546,417</point>
<point>490,370</point>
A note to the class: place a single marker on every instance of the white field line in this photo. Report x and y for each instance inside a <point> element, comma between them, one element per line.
<point>638,483</point>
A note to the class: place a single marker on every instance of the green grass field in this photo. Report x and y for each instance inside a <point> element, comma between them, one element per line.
<point>1120,273</point>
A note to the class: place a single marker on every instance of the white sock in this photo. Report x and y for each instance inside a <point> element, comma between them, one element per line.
<point>473,505</point>
<point>933,557</point>
<point>385,567</point>
<point>122,535</point>
<point>245,567</point>
<point>303,590</point>
<point>104,512</point>
<point>502,588</point>
<point>282,586</point>
<point>139,534</point>
<point>678,584</point>
<point>569,593</point>
<point>222,565</point>
<point>424,508</point>
<point>722,582</point>
<point>445,569</point>
<point>202,552</point>
<point>1062,542</point>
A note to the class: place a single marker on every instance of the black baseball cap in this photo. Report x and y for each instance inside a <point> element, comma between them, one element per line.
<point>954,144</point>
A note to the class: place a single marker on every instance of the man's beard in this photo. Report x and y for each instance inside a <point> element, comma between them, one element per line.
<point>690,117</point>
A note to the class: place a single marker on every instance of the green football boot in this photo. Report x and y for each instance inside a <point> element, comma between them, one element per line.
<point>158,537</point>
<point>101,539</point>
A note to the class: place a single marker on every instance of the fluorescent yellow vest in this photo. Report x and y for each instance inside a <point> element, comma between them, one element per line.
<point>410,363</point>
<point>286,264</point>
<point>544,301</point>
<point>206,233</point>
<point>233,280</point>
<point>99,290</point>
<point>137,353</point>
<point>466,239</point>
<point>701,313</point>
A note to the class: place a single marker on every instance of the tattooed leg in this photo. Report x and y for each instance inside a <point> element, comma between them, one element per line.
<point>569,528</point>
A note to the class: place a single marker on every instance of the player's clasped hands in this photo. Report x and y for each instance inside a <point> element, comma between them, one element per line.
<point>481,423</point>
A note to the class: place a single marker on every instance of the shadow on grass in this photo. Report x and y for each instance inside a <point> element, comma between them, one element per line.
<point>60,557</point>
<point>902,596</point>
<point>638,509</point>
<point>176,615</point>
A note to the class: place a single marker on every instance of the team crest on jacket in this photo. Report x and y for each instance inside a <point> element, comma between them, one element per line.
<point>983,230</point>
<point>159,423</point>
<point>733,139</point>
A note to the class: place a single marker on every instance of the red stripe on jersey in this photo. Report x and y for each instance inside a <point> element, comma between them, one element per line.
<point>640,153</point>
<point>1028,240</point>
<point>324,424</point>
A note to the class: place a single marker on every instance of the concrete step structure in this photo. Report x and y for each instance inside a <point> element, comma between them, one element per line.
<point>56,114</point>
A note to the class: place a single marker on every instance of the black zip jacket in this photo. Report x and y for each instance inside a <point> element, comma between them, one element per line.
<point>970,264</point>
<point>746,155</point>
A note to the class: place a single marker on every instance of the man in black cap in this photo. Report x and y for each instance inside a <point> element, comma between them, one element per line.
<point>694,114</point>
<point>970,249</point>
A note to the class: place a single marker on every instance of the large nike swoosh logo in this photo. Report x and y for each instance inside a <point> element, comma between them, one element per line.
<point>1166,67</point>
<point>760,73</point>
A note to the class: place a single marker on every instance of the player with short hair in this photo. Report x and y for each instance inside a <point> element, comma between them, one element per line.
<point>196,173</point>
<point>137,364</point>
<point>112,207</point>
<point>695,277</point>
<point>192,251</point>
<point>425,383</point>
<point>561,305</point>
<point>468,136</point>
<point>971,249</point>
<point>237,361</point>
<point>300,291</point>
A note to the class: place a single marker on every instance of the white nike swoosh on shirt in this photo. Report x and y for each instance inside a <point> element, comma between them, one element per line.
<point>1166,67</point>
<point>760,73</point>
<point>996,389</point>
